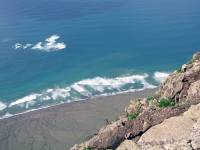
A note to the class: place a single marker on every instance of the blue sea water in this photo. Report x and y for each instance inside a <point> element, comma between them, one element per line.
<point>83,48</point>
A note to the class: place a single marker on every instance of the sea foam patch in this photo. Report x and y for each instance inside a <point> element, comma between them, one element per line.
<point>25,99</point>
<point>2,106</point>
<point>85,89</point>
<point>21,46</point>
<point>160,76</point>
<point>48,45</point>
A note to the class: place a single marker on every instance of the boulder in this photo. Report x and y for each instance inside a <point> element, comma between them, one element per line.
<point>176,133</point>
<point>175,128</point>
<point>128,145</point>
<point>194,91</point>
<point>183,85</point>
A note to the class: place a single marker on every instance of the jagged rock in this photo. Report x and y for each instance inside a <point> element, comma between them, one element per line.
<point>113,135</point>
<point>104,132</point>
<point>177,133</point>
<point>195,136</point>
<point>194,91</point>
<point>193,112</point>
<point>183,85</point>
<point>135,106</point>
<point>175,128</point>
<point>128,145</point>
<point>180,132</point>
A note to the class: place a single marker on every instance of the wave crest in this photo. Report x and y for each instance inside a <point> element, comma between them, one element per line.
<point>2,106</point>
<point>88,88</point>
<point>160,76</point>
<point>80,90</point>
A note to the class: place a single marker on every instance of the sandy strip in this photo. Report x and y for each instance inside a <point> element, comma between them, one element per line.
<point>59,127</point>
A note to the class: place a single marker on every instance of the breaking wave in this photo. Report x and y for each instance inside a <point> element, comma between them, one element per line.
<point>80,90</point>
<point>160,76</point>
<point>2,106</point>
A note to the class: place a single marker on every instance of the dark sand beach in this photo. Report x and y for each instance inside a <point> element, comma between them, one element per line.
<point>59,127</point>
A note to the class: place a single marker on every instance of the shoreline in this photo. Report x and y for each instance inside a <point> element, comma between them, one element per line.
<point>75,101</point>
<point>67,123</point>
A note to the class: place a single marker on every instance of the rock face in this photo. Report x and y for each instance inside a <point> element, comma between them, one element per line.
<point>175,128</point>
<point>184,84</point>
<point>112,135</point>
<point>160,128</point>
<point>180,132</point>
<point>127,145</point>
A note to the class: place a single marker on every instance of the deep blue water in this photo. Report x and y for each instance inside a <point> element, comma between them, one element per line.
<point>103,38</point>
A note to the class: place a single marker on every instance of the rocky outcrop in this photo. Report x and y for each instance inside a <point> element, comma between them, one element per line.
<point>155,120</point>
<point>112,135</point>
<point>180,132</point>
<point>184,84</point>
<point>127,145</point>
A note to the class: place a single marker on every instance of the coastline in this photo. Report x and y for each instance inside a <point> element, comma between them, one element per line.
<point>80,90</point>
<point>78,100</point>
<point>63,125</point>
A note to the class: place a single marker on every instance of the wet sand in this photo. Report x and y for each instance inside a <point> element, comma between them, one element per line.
<point>60,127</point>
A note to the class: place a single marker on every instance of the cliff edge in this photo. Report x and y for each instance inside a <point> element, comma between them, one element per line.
<point>170,119</point>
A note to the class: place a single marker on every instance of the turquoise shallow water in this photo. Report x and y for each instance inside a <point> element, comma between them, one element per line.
<point>101,47</point>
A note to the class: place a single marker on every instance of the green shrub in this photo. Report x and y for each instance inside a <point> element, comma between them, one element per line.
<point>150,98</point>
<point>166,102</point>
<point>179,70</point>
<point>132,116</point>
<point>87,148</point>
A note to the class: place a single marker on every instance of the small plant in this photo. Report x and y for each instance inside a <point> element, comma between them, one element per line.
<point>87,148</point>
<point>132,116</point>
<point>179,70</point>
<point>151,101</point>
<point>150,98</point>
<point>166,102</point>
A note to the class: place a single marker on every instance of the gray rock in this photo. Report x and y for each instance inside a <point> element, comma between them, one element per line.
<point>176,133</point>
<point>128,145</point>
<point>184,85</point>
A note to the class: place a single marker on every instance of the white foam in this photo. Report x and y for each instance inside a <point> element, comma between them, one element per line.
<point>21,46</point>
<point>2,106</point>
<point>52,39</point>
<point>49,90</point>
<point>46,98</point>
<point>80,89</point>
<point>100,83</point>
<point>160,76</point>
<point>25,99</point>
<point>49,45</point>
<point>30,104</point>
<point>17,46</point>
<point>60,93</point>
<point>27,46</point>
<point>83,89</point>
<point>7,115</point>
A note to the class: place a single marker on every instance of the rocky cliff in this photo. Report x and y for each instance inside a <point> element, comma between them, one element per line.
<point>167,120</point>
<point>184,84</point>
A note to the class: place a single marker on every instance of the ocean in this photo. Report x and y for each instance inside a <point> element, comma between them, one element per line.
<point>59,51</point>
